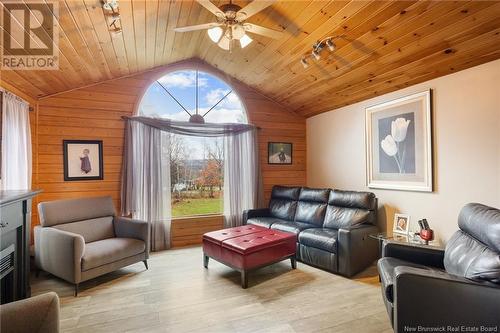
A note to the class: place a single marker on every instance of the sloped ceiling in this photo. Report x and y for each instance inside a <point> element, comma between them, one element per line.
<point>384,46</point>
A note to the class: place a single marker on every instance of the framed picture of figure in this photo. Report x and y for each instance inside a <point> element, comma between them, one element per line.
<point>399,143</point>
<point>279,153</point>
<point>83,160</point>
<point>401,224</point>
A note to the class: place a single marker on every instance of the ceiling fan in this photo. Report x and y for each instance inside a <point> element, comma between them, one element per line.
<point>230,23</point>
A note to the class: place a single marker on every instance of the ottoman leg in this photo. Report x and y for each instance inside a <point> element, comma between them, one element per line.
<point>293,261</point>
<point>205,260</point>
<point>244,279</point>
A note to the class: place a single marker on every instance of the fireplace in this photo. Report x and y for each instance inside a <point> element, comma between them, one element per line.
<point>7,274</point>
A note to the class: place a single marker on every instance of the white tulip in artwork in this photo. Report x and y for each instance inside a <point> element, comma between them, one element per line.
<point>399,127</point>
<point>389,145</point>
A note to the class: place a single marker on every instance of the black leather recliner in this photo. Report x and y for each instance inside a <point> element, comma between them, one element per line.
<point>332,226</point>
<point>457,287</point>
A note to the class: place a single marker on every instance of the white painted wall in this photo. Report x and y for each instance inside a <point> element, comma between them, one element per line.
<point>466,123</point>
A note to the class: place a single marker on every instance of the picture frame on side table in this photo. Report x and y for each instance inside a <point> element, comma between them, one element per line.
<point>399,143</point>
<point>401,224</point>
<point>83,160</point>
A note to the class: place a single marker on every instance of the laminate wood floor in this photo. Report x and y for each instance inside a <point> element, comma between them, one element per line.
<point>177,294</point>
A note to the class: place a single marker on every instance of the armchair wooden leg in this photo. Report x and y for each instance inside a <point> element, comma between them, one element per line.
<point>76,289</point>
<point>145,263</point>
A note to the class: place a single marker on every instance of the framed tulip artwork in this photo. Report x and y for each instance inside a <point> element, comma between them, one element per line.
<point>399,144</point>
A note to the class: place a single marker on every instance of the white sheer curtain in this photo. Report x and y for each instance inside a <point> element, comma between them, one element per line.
<point>16,144</point>
<point>242,187</point>
<point>149,168</point>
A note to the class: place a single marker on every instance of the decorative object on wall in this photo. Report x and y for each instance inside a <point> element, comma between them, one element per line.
<point>399,144</point>
<point>401,224</point>
<point>279,153</point>
<point>315,53</point>
<point>83,160</point>
<point>231,25</point>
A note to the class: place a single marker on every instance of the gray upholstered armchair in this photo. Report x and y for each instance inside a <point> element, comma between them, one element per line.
<point>35,314</point>
<point>80,239</point>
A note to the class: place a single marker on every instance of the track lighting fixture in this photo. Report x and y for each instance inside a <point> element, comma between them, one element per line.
<point>330,44</point>
<point>317,48</point>
<point>304,62</point>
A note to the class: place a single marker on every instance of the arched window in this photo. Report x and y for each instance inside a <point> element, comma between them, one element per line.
<point>196,163</point>
<point>181,94</point>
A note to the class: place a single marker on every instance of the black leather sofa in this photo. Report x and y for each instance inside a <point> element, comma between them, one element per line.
<point>332,226</point>
<point>457,287</point>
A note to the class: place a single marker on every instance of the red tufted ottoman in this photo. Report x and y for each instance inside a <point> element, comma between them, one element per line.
<point>248,248</point>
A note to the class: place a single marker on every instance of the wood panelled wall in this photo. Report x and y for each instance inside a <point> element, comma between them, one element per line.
<point>95,112</point>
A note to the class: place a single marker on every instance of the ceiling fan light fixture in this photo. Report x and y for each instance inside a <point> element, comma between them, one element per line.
<point>215,34</point>
<point>225,43</point>
<point>245,40</point>
<point>238,31</point>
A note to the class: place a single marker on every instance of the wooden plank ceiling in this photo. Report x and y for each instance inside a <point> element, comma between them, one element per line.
<point>385,46</point>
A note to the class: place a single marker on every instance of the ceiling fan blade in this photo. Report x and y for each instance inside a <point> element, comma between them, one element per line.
<point>253,8</point>
<point>259,30</point>
<point>211,7</point>
<point>197,27</point>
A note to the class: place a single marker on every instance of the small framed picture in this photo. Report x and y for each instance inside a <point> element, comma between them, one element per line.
<point>279,153</point>
<point>401,224</point>
<point>82,160</point>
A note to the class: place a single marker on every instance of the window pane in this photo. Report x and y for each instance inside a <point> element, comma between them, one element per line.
<point>196,174</point>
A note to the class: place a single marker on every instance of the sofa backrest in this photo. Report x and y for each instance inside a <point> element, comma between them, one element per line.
<point>311,207</point>
<point>349,208</point>
<point>474,251</point>
<point>283,203</point>
<point>90,217</point>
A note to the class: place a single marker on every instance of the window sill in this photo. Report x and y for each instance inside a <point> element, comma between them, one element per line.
<point>193,217</point>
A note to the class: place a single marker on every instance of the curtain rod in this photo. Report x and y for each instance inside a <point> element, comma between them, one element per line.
<point>129,117</point>
<point>3,90</point>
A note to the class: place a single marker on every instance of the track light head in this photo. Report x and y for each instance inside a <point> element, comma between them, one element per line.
<point>330,44</point>
<point>304,62</point>
<point>316,54</point>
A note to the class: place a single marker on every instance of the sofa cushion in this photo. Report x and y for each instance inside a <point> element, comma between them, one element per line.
<point>284,192</point>
<point>386,268</point>
<point>353,199</point>
<point>110,250</point>
<point>314,195</point>
<point>293,227</point>
<point>344,218</point>
<point>283,209</point>
<point>91,230</point>
<point>482,223</point>
<point>265,222</point>
<point>467,257</point>
<point>72,210</point>
<point>310,212</point>
<point>320,238</point>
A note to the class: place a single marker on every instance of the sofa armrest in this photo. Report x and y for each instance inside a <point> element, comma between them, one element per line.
<point>356,250</point>
<point>59,252</point>
<point>426,298</point>
<point>130,228</point>
<point>418,255</point>
<point>36,314</point>
<point>251,213</point>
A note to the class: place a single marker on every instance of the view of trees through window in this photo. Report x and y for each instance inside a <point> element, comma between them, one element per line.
<point>196,163</point>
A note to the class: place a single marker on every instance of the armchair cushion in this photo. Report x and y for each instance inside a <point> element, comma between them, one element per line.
<point>91,230</point>
<point>110,250</point>
<point>72,210</point>
<point>265,222</point>
<point>293,227</point>
<point>320,238</point>
<point>386,268</point>
<point>469,258</point>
